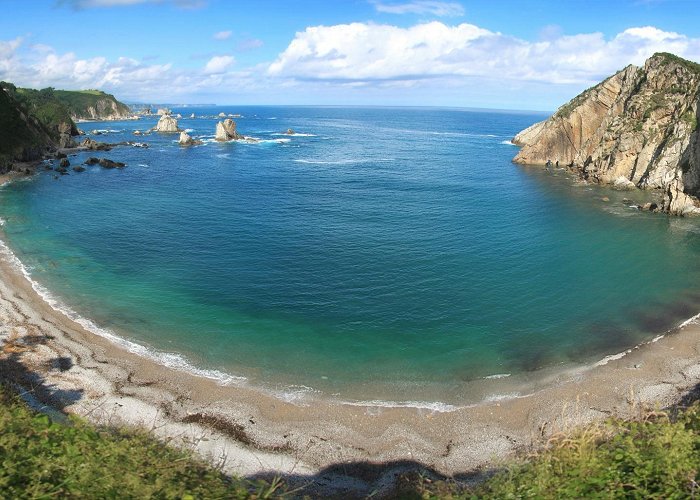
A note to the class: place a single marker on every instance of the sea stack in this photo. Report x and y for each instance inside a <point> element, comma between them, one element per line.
<point>226,131</point>
<point>167,124</point>
<point>186,140</point>
<point>637,128</point>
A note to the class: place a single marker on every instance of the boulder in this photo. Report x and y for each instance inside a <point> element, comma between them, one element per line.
<point>167,124</point>
<point>78,168</point>
<point>64,163</point>
<point>623,183</point>
<point>226,131</point>
<point>92,161</point>
<point>222,115</point>
<point>137,132</point>
<point>163,111</point>
<point>289,131</point>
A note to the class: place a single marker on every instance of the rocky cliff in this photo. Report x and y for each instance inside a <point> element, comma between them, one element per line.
<point>93,105</point>
<point>637,128</point>
<point>23,136</point>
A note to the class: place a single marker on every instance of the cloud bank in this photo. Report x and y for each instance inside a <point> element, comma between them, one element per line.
<point>374,52</point>
<point>362,59</point>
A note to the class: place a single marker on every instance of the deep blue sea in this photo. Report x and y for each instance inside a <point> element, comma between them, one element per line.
<point>388,254</point>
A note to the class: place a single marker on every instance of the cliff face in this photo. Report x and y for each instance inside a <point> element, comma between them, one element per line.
<point>23,136</point>
<point>637,128</point>
<point>93,105</point>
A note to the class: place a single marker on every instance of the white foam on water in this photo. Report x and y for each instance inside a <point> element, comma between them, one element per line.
<point>295,134</point>
<point>343,162</point>
<point>501,397</point>
<point>435,406</point>
<point>170,360</point>
<point>497,376</point>
<point>508,143</point>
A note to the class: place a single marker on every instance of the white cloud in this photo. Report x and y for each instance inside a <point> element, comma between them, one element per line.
<point>218,64</point>
<point>420,7</point>
<point>372,52</point>
<point>222,35</point>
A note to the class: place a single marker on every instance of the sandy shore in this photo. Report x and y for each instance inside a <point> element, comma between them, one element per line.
<point>331,446</point>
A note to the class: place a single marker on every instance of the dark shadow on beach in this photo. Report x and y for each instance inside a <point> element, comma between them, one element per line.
<point>361,479</point>
<point>30,383</point>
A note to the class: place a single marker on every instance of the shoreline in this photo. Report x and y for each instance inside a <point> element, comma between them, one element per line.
<point>334,445</point>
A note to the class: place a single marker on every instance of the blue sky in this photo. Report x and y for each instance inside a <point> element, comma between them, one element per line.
<point>498,54</point>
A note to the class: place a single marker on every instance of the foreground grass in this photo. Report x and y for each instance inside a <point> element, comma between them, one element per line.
<point>42,459</point>
<point>657,456</point>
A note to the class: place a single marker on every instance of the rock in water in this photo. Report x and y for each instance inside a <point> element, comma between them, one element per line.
<point>186,140</point>
<point>226,131</point>
<point>637,128</point>
<point>167,124</point>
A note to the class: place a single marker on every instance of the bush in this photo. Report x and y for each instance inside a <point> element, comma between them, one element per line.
<point>42,459</point>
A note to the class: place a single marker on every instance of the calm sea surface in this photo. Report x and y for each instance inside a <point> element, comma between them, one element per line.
<point>392,254</point>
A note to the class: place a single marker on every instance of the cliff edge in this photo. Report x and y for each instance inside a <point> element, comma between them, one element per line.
<point>638,128</point>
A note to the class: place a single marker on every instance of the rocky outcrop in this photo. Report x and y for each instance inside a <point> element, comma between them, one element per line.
<point>186,140</point>
<point>637,129</point>
<point>93,145</point>
<point>65,133</point>
<point>167,124</point>
<point>226,131</point>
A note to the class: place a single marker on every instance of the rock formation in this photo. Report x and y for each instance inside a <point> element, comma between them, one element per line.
<point>167,124</point>
<point>93,145</point>
<point>186,140</point>
<point>637,128</point>
<point>226,131</point>
<point>65,133</point>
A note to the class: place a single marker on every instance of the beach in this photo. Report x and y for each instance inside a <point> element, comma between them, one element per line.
<point>57,362</point>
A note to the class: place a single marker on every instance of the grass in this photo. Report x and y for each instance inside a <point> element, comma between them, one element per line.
<point>78,101</point>
<point>656,456</point>
<point>42,459</point>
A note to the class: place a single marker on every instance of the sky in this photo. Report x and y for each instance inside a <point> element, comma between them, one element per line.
<point>508,54</point>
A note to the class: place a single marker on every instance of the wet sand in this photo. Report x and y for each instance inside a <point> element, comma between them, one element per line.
<point>331,446</point>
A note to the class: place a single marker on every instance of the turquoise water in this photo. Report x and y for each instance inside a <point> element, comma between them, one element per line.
<point>391,254</point>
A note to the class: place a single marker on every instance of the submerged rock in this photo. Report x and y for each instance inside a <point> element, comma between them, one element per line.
<point>226,131</point>
<point>78,168</point>
<point>105,163</point>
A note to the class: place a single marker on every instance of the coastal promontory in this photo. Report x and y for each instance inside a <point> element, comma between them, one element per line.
<point>638,128</point>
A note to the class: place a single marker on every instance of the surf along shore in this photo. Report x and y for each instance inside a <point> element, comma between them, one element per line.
<point>331,446</point>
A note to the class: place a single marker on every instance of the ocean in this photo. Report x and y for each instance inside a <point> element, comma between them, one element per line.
<point>393,255</point>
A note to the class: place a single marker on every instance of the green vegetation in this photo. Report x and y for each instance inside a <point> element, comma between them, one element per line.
<point>652,457</point>
<point>691,119</point>
<point>78,101</point>
<point>668,58</point>
<point>45,105</point>
<point>43,459</point>
<point>19,132</point>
